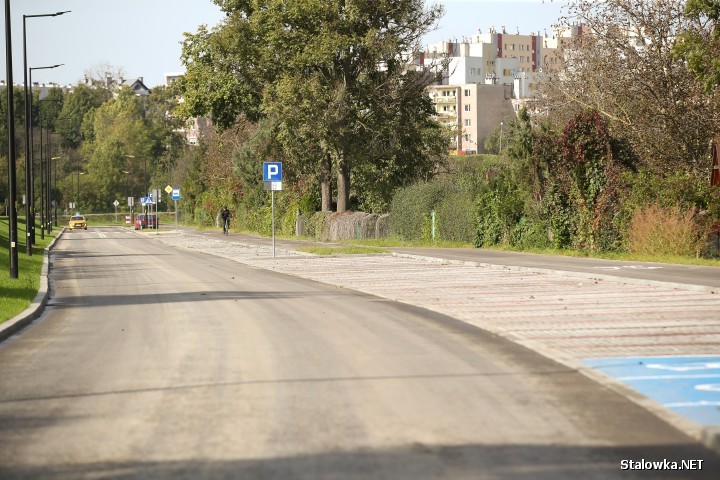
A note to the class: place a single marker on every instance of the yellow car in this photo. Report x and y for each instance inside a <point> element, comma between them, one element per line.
<point>77,222</point>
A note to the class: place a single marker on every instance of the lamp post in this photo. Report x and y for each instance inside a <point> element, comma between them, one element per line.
<point>32,161</point>
<point>12,214</point>
<point>77,202</point>
<point>29,202</point>
<point>55,201</point>
<point>48,205</point>
<point>131,203</point>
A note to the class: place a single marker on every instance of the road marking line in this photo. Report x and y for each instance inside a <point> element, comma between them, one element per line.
<point>684,367</point>
<point>702,403</point>
<point>667,377</point>
<point>708,387</point>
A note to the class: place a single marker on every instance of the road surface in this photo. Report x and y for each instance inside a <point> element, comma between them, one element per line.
<point>156,362</point>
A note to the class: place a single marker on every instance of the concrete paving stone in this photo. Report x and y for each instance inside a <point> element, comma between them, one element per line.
<point>556,314</point>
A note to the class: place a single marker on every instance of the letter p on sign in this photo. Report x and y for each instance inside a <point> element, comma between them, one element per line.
<point>272,171</point>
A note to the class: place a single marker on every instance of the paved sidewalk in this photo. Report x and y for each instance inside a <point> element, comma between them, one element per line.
<point>568,318</point>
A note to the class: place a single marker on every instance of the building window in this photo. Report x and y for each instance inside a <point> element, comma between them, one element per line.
<point>467,108</point>
<point>467,92</point>
<point>472,71</point>
<point>467,122</point>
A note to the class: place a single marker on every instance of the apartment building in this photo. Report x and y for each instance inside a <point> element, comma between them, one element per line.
<point>488,77</point>
<point>195,128</point>
<point>474,109</point>
<point>497,57</point>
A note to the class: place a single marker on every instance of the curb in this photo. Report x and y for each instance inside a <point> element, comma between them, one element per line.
<point>33,311</point>
<point>709,436</point>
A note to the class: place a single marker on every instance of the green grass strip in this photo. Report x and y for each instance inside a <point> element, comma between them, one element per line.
<point>353,250</point>
<point>17,293</point>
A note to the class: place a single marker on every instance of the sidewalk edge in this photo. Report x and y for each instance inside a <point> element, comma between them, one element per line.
<point>34,310</point>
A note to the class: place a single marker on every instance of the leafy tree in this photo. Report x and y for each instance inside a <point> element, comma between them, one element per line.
<point>337,68</point>
<point>49,108</point>
<point>123,140</point>
<point>624,66</point>
<point>78,104</point>
<point>699,44</point>
<point>19,106</point>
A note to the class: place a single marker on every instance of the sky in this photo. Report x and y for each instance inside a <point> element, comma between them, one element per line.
<point>143,37</point>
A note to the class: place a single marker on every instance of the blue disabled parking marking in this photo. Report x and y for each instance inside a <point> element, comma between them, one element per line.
<point>689,386</point>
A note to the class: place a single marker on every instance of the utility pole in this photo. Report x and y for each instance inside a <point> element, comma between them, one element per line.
<point>12,213</point>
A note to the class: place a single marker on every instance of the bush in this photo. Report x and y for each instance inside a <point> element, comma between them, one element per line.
<point>318,226</point>
<point>411,207</point>
<point>500,208</point>
<point>661,231</point>
<point>455,215</point>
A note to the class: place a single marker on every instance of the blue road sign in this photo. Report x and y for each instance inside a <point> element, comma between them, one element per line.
<point>272,171</point>
<point>175,194</point>
<point>689,386</point>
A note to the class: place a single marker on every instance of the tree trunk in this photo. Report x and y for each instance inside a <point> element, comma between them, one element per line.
<point>325,183</point>
<point>343,184</point>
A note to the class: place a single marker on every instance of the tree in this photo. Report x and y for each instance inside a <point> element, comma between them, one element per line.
<point>624,67</point>
<point>699,45</point>
<point>334,70</point>
<point>79,103</point>
<point>122,140</point>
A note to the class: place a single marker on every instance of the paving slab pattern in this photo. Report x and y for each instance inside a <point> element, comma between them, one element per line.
<point>564,317</point>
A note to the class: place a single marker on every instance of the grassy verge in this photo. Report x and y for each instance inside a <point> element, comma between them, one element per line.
<point>349,250</point>
<point>17,293</point>
<point>390,242</point>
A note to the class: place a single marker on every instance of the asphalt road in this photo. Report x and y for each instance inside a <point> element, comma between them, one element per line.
<point>153,362</point>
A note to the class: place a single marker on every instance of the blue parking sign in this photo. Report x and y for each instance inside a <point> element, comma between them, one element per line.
<point>272,171</point>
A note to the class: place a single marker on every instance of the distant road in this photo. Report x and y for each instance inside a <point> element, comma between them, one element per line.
<point>156,362</point>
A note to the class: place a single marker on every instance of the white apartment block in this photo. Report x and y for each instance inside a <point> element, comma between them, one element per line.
<point>497,58</point>
<point>489,77</point>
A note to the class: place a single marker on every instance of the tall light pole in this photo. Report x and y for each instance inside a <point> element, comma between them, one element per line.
<point>29,202</point>
<point>55,200</point>
<point>32,161</point>
<point>12,214</point>
<point>48,209</point>
<point>77,203</point>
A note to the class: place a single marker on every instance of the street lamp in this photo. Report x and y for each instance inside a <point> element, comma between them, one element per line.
<point>53,203</point>
<point>48,205</point>
<point>131,201</point>
<point>77,202</point>
<point>29,202</point>
<point>32,162</point>
<point>12,214</point>
<point>55,183</point>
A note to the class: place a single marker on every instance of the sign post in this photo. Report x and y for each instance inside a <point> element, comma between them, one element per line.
<point>116,203</point>
<point>175,195</point>
<point>272,180</point>
<point>131,204</point>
